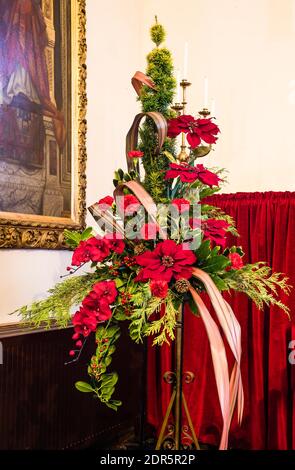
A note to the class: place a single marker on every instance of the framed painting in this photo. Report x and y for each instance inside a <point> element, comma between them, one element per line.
<point>42,121</point>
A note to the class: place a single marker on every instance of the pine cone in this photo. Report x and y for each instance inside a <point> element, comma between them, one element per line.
<point>138,249</point>
<point>182,286</point>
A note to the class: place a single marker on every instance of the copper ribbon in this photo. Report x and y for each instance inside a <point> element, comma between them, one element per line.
<point>229,387</point>
<point>139,79</point>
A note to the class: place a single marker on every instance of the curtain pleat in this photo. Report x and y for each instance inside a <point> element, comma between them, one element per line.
<point>266,224</point>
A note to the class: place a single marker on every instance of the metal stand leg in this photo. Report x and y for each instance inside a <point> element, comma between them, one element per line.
<point>173,437</point>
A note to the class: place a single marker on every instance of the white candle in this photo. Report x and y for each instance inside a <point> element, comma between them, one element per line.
<point>213,108</point>
<point>206,92</point>
<point>178,95</point>
<point>185,61</point>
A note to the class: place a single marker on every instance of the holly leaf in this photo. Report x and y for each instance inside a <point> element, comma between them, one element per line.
<point>203,251</point>
<point>216,264</point>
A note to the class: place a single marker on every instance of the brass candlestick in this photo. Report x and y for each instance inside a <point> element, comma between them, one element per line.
<point>178,107</point>
<point>183,156</point>
<point>205,113</point>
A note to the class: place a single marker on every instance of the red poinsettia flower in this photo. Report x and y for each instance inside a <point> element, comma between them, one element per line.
<point>106,290</point>
<point>166,261</point>
<point>179,124</point>
<point>135,154</point>
<point>182,204</point>
<point>159,289</point>
<point>189,174</point>
<point>115,242</point>
<point>84,322</point>
<point>129,204</point>
<point>149,231</point>
<point>215,230</point>
<point>196,129</point>
<point>236,260</point>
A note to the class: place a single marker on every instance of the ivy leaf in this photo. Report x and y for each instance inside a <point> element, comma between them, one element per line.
<point>84,387</point>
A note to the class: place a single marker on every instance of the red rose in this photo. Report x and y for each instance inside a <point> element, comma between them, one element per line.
<point>166,261</point>
<point>135,154</point>
<point>236,260</point>
<point>182,204</point>
<point>149,231</point>
<point>115,243</point>
<point>215,230</point>
<point>129,204</point>
<point>106,290</point>
<point>159,289</point>
<point>190,174</point>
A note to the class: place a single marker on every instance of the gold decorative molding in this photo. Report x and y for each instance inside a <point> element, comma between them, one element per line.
<point>29,231</point>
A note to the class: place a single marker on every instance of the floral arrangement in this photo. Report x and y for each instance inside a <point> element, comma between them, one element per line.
<point>142,265</point>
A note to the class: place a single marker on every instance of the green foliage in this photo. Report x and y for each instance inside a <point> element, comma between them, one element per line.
<point>103,382</point>
<point>158,33</point>
<point>160,70</point>
<point>259,284</point>
<point>122,177</point>
<point>73,238</point>
<point>58,305</point>
<point>163,328</point>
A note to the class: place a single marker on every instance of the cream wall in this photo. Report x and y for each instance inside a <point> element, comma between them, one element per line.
<point>113,54</point>
<point>244,47</point>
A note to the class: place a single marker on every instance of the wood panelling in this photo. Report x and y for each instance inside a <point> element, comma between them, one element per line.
<point>39,405</point>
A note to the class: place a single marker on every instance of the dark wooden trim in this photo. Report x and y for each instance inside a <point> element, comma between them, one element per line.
<point>8,330</point>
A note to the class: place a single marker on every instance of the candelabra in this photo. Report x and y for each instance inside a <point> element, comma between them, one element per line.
<point>180,108</point>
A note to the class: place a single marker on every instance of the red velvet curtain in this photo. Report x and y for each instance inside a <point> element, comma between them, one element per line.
<point>266,223</point>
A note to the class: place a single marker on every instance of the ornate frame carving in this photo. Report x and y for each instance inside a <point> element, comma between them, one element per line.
<point>30,231</point>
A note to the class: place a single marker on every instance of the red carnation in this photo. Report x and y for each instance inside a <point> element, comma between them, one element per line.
<point>149,231</point>
<point>135,154</point>
<point>166,261</point>
<point>196,129</point>
<point>115,243</point>
<point>129,204</point>
<point>159,289</point>
<point>106,201</point>
<point>190,174</point>
<point>182,204</point>
<point>236,260</point>
<point>106,290</point>
<point>215,230</point>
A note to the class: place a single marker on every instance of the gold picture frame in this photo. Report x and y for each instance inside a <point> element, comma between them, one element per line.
<point>20,230</point>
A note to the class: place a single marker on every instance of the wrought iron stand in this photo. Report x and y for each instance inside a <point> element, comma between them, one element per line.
<point>172,435</point>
